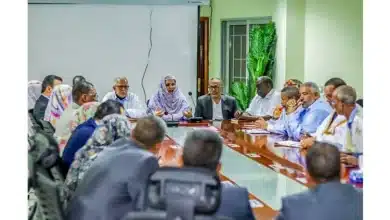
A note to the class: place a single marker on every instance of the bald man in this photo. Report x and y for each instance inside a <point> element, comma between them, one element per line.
<point>130,101</point>
<point>264,103</point>
<point>215,105</point>
<point>344,102</point>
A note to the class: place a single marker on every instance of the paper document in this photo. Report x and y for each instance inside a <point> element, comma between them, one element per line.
<point>288,143</point>
<point>256,131</point>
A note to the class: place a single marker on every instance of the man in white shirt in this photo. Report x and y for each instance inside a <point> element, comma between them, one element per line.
<point>344,102</point>
<point>130,101</point>
<point>264,103</point>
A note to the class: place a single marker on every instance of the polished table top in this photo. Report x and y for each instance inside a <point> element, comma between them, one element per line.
<point>269,172</point>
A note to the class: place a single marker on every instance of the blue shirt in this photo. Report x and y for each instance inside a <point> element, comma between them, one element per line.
<point>307,120</point>
<point>280,125</point>
<point>78,139</point>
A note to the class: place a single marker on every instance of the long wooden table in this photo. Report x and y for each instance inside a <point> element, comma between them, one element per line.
<point>258,148</point>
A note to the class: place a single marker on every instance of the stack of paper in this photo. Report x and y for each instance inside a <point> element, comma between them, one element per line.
<point>288,143</point>
<point>256,131</point>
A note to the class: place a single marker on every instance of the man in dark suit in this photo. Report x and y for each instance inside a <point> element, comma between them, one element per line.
<point>215,106</point>
<point>329,199</point>
<point>49,82</point>
<point>203,149</point>
<point>115,183</point>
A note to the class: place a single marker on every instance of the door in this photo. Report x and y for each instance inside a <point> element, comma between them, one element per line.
<point>203,57</point>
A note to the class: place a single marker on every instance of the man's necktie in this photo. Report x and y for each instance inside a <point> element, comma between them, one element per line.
<point>302,115</point>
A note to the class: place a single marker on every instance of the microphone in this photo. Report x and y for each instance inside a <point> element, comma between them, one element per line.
<point>192,99</point>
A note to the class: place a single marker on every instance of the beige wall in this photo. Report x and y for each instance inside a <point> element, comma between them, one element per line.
<point>317,39</point>
<point>230,9</point>
<point>334,41</point>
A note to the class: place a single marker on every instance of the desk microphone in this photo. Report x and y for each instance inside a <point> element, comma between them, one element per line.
<point>192,99</point>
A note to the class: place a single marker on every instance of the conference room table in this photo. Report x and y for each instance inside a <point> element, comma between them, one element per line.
<point>254,161</point>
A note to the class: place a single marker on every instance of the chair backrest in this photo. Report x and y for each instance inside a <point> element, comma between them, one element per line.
<point>360,102</point>
<point>46,177</point>
<point>46,126</point>
<point>180,193</point>
<point>34,126</point>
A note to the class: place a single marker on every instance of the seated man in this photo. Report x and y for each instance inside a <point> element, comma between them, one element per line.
<point>48,85</point>
<point>313,112</point>
<point>344,101</point>
<point>290,98</point>
<point>329,199</point>
<point>203,149</point>
<point>333,129</point>
<point>264,103</point>
<point>117,179</point>
<point>279,108</point>
<point>82,93</point>
<point>130,101</point>
<point>331,85</point>
<point>215,106</point>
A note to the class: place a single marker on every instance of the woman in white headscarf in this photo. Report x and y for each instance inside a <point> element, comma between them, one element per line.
<point>34,91</point>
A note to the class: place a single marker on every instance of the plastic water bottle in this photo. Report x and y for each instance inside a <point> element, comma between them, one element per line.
<point>356,178</point>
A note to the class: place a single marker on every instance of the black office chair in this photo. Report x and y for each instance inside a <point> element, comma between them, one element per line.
<point>47,128</point>
<point>360,102</point>
<point>180,193</point>
<point>35,126</point>
<point>46,177</point>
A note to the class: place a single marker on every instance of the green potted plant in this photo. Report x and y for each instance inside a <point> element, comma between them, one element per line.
<point>260,62</point>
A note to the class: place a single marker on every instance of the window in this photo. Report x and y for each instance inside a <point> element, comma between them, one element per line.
<point>234,49</point>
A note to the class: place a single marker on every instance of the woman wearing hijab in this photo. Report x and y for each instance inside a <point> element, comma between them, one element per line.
<point>81,115</point>
<point>60,99</point>
<point>84,131</point>
<point>111,128</point>
<point>169,102</point>
<point>34,91</point>
<point>293,82</point>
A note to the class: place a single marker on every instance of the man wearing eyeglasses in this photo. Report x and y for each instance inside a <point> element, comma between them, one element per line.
<point>215,105</point>
<point>130,101</point>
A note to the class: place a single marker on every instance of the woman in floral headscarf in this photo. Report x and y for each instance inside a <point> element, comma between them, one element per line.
<point>60,99</point>
<point>82,114</point>
<point>293,82</point>
<point>111,128</point>
<point>169,102</point>
<point>34,91</point>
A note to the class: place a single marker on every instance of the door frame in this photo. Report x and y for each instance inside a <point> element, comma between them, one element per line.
<point>203,73</point>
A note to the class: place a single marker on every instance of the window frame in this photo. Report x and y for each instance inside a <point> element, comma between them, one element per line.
<point>226,24</point>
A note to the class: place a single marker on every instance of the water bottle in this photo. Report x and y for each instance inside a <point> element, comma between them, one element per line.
<point>356,178</point>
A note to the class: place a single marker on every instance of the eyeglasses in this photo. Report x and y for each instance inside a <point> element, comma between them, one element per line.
<point>122,87</point>
<point>214,87</point>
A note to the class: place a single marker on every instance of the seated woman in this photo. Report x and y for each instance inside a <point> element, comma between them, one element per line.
<point>82,114</point>
<point>293,82</point>
<point>60,99</point>
<point>169,102</point>
<point>85,130</point>
<point>111,128</point>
